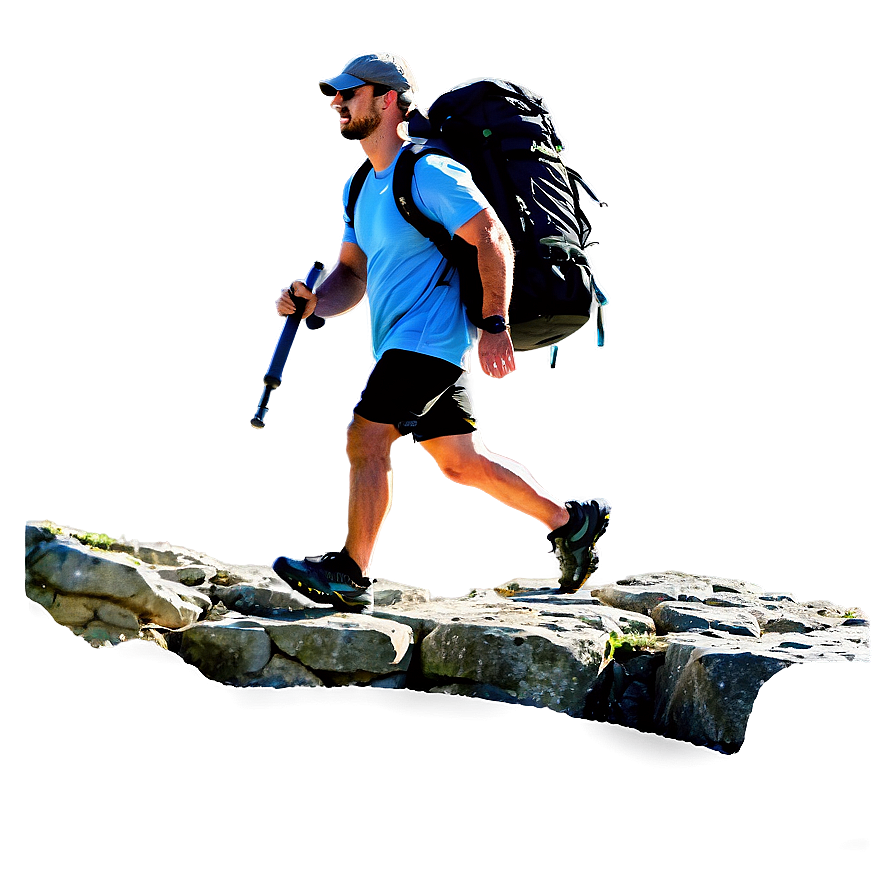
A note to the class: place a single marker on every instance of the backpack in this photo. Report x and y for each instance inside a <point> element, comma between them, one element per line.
<point>504,135</point>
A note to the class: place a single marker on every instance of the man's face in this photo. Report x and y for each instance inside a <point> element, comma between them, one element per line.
<point>358,116</point>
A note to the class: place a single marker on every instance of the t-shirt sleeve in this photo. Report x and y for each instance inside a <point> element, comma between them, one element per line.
<point>348,235</point>
<point>444,191</point>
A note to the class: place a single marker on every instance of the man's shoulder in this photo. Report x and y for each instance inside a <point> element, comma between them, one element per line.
<point>437,168</point>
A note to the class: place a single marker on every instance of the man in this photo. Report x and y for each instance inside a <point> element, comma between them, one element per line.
<point>421,340</point>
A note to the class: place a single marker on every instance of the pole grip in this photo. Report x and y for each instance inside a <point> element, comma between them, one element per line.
<point>290,328</point>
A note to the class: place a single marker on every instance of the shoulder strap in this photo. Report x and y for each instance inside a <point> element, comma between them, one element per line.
<point>354,190</point>
<point>404,199</point>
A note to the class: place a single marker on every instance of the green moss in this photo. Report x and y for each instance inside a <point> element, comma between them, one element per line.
<point>95,540</point>
<point>628,644</point>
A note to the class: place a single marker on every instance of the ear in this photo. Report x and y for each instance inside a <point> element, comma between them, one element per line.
<point>389,99</point>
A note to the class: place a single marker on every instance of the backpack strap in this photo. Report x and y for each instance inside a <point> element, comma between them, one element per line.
<point>354,190</point>
<point>458,254</point>
<point>402,181</point>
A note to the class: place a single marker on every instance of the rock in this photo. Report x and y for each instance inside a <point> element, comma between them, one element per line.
<point>482,691</point>
<point>673,653</point>
<point>643,599</point>
<point>120,617</point>
<point>71,569</point>
<point>345,642</point>
<point>705,694</point>
<point>228,649</point>
<point>626,622</point>
<point>105,634</point>
<point>279,672</point>
<point>686,583</point>
<point>518,586</point>
<point>74,611</point>
<point>269,599</point>
<point>532,664</point>
<point>194,576</point>
<point>675,616</point>
<point>386,593</point>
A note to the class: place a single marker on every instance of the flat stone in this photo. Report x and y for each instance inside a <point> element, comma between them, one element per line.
<point>675,616</point>
<point>533,664</point>
<point>386,593</point>
<point>227,649</point>
<point>345,642</point>
<point>641,599</point>
<point>520,586</point>
<point>192,576</point>
<point>271,598</point>
<point>560,612</point>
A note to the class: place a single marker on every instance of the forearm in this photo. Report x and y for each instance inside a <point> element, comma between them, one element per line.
<point>496,273</point>
<point>495,252</point>
<point>340,292</point>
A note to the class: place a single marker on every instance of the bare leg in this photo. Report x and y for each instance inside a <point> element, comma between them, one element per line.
<point>370,485</point>
<point>466,460</point>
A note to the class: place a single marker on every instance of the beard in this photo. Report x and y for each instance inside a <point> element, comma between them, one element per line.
<point>361,128</point>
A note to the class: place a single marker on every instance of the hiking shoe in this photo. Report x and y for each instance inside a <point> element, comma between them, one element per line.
<point>332,578</point>
<point>573,542</point>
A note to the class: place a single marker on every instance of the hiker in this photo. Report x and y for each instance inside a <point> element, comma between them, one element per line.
<point>422,340</point>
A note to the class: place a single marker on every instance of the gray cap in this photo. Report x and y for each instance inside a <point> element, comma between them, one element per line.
<point>380,68</point>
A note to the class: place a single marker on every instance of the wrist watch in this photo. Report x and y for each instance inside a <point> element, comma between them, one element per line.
<point>494,324</point>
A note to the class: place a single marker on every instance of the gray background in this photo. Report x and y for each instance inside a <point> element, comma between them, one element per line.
<point>168,166</point>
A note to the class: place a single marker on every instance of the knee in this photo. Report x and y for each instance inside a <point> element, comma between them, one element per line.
<point>366,442</point>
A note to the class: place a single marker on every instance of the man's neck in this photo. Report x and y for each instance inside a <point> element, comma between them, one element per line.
<point>381,147</point>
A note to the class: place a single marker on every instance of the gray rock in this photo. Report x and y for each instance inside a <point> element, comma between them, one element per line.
<point>268,598</point>
<point>532,664</point>
<point>386,593</point>
<point>187,593</point>
<point>74,611</point>
<point>194,576</point>
<point>118,616</point>
<point>641,599</point>
<point>345,642</point>
<point>105,634</point>
<point>36,533</point>
<point>518,586</point>
<point>227,649</point>
<point>595,653</point>
<point>675,616</point>
<point>627,622</point>
<point>280,672</point>
<point>69,568</point>
<point>704,695</point>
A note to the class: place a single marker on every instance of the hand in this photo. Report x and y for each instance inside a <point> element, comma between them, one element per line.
<point>496,354</point>
<point>286,305</point>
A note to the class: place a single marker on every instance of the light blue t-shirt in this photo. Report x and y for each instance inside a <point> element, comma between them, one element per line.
<point>412,306</point>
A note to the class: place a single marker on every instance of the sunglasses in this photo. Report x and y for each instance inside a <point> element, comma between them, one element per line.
<point>378,90</point>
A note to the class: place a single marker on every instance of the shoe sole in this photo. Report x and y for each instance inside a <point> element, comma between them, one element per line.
<point>291,576</point>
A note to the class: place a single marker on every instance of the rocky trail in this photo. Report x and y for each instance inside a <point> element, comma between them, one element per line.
<point>668,653</point>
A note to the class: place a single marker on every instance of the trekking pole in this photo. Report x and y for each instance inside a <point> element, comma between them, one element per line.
<point>273,377</point>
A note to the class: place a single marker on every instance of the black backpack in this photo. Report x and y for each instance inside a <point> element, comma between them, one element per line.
<point>504,135</point>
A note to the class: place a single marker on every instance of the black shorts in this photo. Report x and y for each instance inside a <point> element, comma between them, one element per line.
<point>418,394</point>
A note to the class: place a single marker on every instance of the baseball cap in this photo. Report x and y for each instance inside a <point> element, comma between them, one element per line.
<point>379,68</point>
